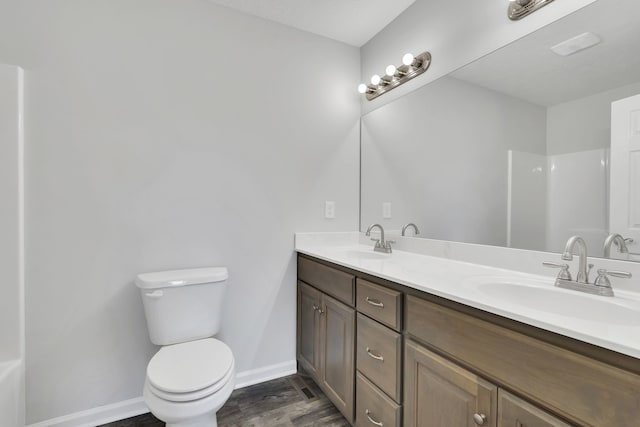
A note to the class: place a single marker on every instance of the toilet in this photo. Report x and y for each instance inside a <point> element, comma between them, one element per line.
<point>193,374</point>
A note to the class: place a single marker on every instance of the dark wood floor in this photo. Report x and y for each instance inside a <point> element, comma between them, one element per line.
<point>284,402</point>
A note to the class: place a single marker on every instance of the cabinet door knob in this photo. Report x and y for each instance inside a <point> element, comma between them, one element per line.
<point>480,419</point>
<point>371,420</point>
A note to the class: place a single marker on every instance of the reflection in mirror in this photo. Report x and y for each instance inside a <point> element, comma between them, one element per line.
<point>516,148</point>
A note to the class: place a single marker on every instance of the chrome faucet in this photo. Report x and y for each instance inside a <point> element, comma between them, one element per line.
<point>381,245</point>
<point>602,284</point>
<point>415,228</point>
<point>619,241</point>
<point>583,273</point>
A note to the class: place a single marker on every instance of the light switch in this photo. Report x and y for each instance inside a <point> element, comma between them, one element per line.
<point>329,209</point>
<point>386,210</point>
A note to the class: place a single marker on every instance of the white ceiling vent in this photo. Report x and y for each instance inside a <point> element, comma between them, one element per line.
<point>576,44</point>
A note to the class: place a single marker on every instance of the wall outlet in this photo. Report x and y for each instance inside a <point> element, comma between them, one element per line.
<point>386,210</point>
<point>330,209</point>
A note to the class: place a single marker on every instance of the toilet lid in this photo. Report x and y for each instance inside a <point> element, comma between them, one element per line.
<point>189,366</point>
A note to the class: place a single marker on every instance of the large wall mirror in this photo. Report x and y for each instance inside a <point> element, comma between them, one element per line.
<point>515,149</point>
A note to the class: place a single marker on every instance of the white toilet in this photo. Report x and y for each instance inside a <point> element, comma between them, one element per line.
<point>193,374</point>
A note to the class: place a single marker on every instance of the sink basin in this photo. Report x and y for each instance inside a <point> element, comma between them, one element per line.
<point>366,255</point>
<point>560,302</point>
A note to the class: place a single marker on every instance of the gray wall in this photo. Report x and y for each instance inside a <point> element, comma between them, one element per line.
<point>584,124</point>
<point>11,311</point>
<point>169,134</point>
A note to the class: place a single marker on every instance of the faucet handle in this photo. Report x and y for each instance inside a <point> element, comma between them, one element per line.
<point>377,245</point>
<point>614,273</point>
<point>621,274</point>
<point>603,280</point>
<point>564,273</point>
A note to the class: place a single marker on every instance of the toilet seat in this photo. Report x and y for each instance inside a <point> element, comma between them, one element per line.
<point>195,395</point>
<point>191,370</point>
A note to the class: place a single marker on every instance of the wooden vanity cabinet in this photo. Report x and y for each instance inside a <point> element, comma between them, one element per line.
<point>326,333</point>
<point>424,361</point>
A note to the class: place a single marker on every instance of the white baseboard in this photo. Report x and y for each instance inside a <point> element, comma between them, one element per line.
<point>97,416</point>
<point>266,373</point>
<point>132,407</point>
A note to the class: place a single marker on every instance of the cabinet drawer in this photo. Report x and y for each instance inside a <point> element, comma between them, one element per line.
<point>379,355</point>
<point>580,389</point>
<point>380,303</point>
<point>334,282</point>
<point>373,407</point>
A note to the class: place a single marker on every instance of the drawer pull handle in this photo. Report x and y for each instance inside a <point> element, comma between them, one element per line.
<point>375,356</point>
<point>374,302</point>
<point>480,419</point>
<point>368,413</point>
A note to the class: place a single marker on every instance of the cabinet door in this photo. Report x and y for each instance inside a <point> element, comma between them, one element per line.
<point>439,393</point>
<point>337,370</point>
<point>515,412</point>
<point>309,303</point>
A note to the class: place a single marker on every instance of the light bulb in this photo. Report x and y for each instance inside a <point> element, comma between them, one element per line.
<point>407,59</point>
<point>390,70</point>
<point>362,88</point>
<point>375,79</point>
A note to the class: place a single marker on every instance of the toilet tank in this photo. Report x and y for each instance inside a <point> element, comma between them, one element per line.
<point>182,305</point>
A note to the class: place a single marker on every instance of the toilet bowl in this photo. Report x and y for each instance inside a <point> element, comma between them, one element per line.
<point>188,383</point>
<point>191,377</point>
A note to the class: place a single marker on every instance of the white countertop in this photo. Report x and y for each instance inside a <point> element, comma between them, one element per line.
<point>570,313</point>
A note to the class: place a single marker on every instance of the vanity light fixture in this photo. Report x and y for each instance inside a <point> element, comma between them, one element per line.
<point>412,66</point>
<point>390,71</point>
<point>518,9</point>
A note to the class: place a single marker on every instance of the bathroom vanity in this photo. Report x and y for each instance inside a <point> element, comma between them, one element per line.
<point>394,346</point>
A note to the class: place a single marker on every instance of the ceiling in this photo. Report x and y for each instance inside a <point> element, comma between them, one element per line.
<point>353,22</point>
<point>527,69</point>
